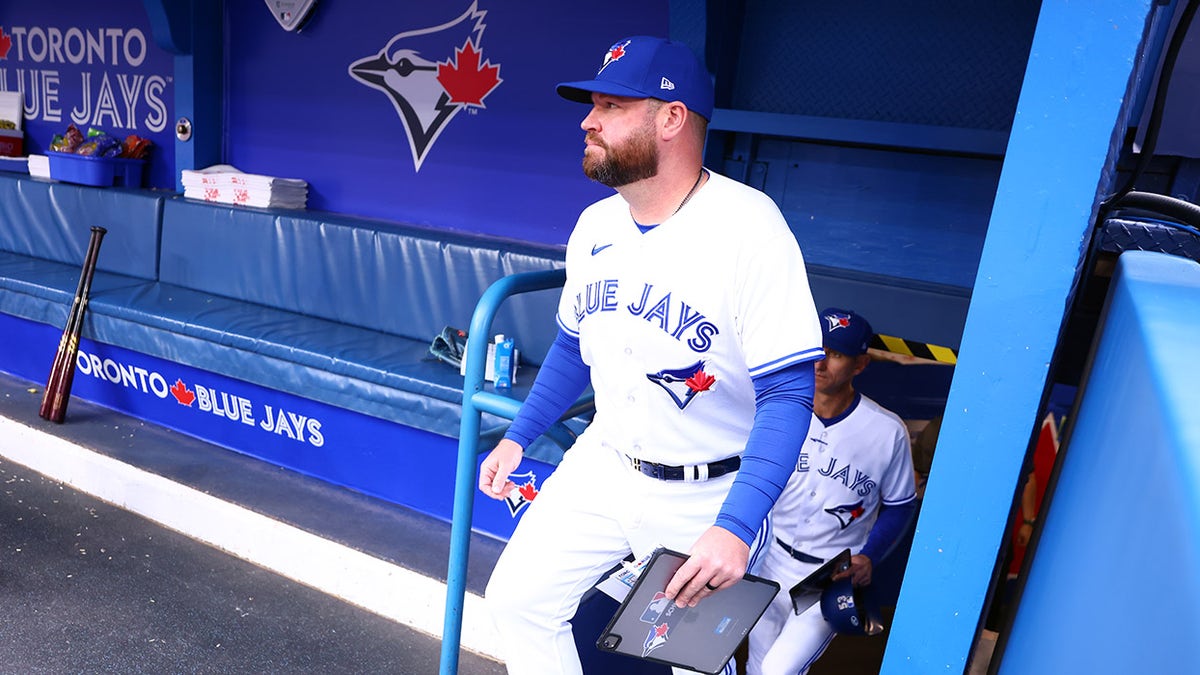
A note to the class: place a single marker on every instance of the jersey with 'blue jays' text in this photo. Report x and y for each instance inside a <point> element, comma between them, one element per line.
<point>847,468</point>
<point>675,322</point>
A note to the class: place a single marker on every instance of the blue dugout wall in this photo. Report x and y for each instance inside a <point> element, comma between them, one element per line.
<point>1112,587</point>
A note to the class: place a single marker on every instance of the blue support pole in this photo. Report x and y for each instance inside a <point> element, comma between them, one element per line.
<point>475,402</point>
<point>192,31</point>
<point>1064,142</point>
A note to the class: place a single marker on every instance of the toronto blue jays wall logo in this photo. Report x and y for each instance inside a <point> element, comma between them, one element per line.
<point>847,513</point>
<point>683,384</point>
<point>430,75</point>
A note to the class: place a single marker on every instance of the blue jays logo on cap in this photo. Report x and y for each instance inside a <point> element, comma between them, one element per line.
<point>615,53</point>
<point>845,332</point>
<point>837,320</point>
<point>648,67</point>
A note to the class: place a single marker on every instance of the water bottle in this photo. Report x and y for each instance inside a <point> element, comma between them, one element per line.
<point>503,364</point>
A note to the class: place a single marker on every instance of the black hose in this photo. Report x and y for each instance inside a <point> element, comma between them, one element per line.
<point>1171,207</point>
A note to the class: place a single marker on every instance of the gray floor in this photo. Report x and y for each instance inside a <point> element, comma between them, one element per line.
<point>87,587</point>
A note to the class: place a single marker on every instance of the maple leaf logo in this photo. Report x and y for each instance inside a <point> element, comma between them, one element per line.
<point>465,79</point>
<point>614,53</point>
<point>701,381</point>
<point>5,45</point>
<point>181,393</point>
<point>528,491</point>
<point>684,384</point>
<point>525,493</point>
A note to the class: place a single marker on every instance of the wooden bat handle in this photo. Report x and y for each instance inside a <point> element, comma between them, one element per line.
<point>62,371</point>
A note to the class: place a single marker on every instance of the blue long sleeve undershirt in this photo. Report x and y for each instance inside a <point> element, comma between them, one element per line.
<point>783,409</point>
<point>889,525</point>
<point>783,403</point>
<point>561,380</point>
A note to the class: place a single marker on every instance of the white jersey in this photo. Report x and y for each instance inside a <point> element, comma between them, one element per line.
<point>675,322</point>
<point>848,466</point>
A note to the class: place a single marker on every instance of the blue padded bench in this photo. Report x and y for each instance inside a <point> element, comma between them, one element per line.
<point>331,308</point>
<point>44,232</point>
<point>327,307</point>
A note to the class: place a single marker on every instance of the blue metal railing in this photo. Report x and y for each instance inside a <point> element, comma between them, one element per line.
<point>476,401</point>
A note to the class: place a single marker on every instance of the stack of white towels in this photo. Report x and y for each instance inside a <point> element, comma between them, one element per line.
<point>227,185</point>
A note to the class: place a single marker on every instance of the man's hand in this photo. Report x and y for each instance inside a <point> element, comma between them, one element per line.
<point>859,571</point>
<point>717,560</point>
<point>494,472</point>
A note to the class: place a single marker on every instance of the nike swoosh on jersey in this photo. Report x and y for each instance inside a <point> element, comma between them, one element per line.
<point>599,247</point>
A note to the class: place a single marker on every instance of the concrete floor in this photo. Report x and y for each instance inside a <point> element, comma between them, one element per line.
<point>88,587</point>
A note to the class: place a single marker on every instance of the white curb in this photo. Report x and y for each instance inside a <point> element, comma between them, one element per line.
<point>376,585</point>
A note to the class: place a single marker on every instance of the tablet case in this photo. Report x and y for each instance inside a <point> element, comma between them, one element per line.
<point>703,638</point>
<point>808,591</point>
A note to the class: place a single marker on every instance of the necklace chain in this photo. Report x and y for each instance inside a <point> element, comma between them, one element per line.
<point>690,192</point>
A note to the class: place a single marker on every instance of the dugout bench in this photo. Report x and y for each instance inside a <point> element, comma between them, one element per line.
<point>334,312</point>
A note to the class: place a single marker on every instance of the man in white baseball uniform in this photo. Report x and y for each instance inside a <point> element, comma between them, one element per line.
<point>852,488</point>
<point>687,308</point>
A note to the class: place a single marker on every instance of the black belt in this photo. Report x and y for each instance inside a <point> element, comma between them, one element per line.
<point>799,555</point>
<point>690,472</point>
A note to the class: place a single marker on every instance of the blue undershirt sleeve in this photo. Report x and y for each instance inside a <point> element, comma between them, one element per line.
<point>888,527</point>
<point>783,410</point>
<point>561,380</point>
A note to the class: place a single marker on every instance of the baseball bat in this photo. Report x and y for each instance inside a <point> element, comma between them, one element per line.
<point>62,371</point>
<point>55,376</point>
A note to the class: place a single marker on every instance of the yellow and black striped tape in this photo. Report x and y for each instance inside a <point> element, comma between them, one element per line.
<point>921,350</point>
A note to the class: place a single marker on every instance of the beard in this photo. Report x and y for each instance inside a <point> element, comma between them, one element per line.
<point>633,160</point>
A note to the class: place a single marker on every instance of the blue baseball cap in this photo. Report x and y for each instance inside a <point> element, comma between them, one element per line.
<point>845,331</point>
<point>648,67</point>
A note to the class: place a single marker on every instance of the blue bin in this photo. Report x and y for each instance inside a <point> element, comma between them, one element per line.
<point>99,171</point>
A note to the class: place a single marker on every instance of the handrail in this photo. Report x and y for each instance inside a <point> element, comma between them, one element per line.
<point>475,402</point>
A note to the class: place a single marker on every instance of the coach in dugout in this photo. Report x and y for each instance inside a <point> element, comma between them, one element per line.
<point>852,488</point>
<point>687,309</point>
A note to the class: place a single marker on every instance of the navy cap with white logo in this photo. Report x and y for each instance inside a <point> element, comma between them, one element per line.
<point>845,331</point>
<point>649,67</point>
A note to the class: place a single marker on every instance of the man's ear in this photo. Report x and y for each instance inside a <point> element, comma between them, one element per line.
<point>673,119</point>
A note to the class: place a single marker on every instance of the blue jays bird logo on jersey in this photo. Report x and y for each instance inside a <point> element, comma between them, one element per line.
<point>430,75</point>
<point>847,513</point>
<point>683,384</point>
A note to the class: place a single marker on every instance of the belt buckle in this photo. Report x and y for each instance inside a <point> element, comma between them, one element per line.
<point>650,469</point>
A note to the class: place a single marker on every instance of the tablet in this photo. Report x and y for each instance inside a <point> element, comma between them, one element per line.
<point>703,638</point>
<point>808,591</point>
